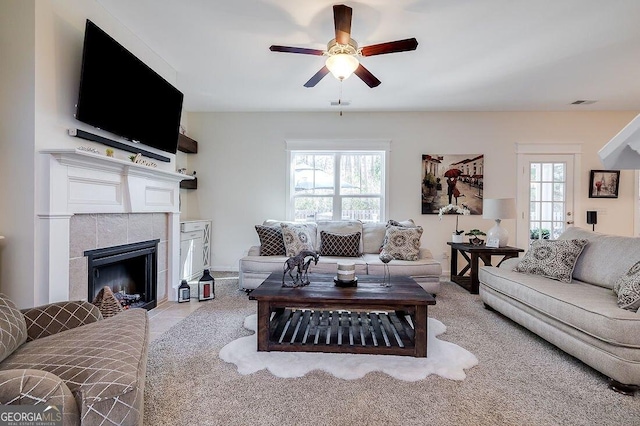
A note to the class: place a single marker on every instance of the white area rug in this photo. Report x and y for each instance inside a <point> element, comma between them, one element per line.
<point>444,359</point>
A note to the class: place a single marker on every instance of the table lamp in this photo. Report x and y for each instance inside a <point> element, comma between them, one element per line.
<point>498,209</point>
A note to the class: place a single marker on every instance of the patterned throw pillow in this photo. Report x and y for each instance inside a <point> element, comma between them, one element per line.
<point>13,328</point>
<point>553,259</point>
<point>402,243</point>
<point>296,239</point>
<point>271,240</point>
<point>628,289</point>
<point>340,245</point>
<point>409,223</point>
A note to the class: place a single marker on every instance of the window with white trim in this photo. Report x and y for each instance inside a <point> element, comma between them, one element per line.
<point>337,185</point>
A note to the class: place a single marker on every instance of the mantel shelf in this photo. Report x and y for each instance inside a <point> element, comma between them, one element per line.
<point>82,158</point>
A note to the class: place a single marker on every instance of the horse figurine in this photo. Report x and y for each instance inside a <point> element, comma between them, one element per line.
<point>301,263</point>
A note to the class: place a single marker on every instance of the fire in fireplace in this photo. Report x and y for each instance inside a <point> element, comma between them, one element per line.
<point>130,270</point>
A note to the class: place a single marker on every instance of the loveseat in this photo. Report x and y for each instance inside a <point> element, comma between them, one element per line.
<point>66,354</point>
<point>256,266</point>
<point>581,317</point>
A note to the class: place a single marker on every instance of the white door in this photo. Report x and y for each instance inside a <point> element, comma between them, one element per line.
<point>545,196</point>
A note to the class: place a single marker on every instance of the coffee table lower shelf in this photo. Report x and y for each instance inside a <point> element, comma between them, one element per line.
<point>307,330</point>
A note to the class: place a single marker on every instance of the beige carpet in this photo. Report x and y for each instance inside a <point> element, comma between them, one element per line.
<point>520,380</point>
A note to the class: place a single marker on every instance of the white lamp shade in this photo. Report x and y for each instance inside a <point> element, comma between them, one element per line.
<point>499,208</point>
<point>342,65</point>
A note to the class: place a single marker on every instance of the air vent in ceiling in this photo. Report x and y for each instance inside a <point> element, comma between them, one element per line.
<point>583,102</point>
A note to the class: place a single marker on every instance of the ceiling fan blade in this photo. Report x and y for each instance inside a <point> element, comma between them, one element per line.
<point>342,22</point>
<point>317,77</point>
<point>366,76</point>
<point>390,47</point>
<point>303,50</point>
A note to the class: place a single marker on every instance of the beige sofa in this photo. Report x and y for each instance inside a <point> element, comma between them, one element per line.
<point>582,317</point>
<point>254,269</point>
<point>65,354</point>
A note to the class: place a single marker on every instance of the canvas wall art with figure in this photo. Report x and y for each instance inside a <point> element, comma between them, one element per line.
<point>452,179</point>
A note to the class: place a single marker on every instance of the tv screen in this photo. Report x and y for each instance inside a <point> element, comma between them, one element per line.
<point>122,95</point>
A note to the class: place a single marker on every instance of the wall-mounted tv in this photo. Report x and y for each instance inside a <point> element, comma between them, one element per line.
<point>122,95</point>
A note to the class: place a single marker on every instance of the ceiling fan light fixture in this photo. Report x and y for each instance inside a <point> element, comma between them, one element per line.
<point>342,65</point>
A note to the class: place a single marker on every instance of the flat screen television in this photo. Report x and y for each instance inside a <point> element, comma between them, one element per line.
<point>122,95</point>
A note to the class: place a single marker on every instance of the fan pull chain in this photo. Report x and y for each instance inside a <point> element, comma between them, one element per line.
<point>340,98</point>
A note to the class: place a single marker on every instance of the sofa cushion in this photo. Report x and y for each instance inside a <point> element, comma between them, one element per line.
<point>329,265</point>
<point>340,245</point>
<point>586,307</point>
<point>552,259</point>
<point>13,328</point>
<point>262,263</point>
<point>628,289</point>
<point>605,258</point>
<point>373,236</point>
<point>402,243</point>
<point>271,240</point>
<point>297,238</point>
<point>423,267</point>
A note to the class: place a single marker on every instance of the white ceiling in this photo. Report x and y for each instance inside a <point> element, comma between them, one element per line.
<point>473,55</point>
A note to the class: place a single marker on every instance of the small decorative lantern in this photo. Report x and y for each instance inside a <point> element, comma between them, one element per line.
<point>205,287</point>
<point>184,292</point>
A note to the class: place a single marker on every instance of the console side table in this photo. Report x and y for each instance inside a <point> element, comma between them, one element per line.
<point>472,254</point>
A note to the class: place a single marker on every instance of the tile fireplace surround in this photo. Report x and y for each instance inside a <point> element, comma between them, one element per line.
<point>93,201</point>
<point>96,231</point>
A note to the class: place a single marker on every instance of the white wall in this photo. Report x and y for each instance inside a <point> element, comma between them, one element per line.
<point>17,141</point>
<point>39,76</point>
<point>241,164</point>
<point>59,39</point>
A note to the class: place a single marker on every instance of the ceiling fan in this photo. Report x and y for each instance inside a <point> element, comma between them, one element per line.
<point>343,51</point>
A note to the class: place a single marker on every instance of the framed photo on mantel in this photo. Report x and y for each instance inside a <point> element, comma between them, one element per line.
<point>604,183</point>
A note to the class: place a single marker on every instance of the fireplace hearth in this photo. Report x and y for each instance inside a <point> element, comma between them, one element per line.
<point>130,270</point>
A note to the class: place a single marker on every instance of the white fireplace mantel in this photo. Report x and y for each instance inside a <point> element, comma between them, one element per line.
<point>77,181</point>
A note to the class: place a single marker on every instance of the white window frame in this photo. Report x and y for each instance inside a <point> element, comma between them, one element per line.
<point>341,146</point>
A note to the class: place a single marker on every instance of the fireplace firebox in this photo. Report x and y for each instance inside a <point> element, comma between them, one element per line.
<point>130,270</point>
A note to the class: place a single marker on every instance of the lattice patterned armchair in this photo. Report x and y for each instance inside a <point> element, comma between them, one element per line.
<point>66,354</point>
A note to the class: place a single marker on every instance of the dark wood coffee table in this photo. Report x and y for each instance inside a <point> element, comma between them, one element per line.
<point>321,317</point>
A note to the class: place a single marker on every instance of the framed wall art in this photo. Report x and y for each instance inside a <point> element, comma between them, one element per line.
<point>452,179</point>
<point>604,183</point>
